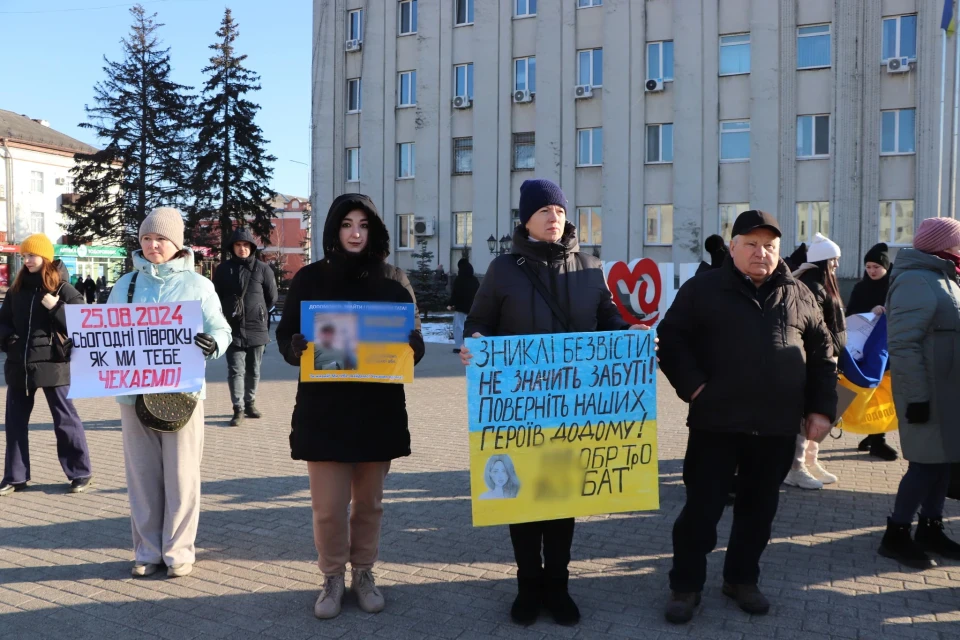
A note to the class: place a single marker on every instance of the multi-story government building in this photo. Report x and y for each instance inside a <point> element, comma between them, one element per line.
<point>661,119</point>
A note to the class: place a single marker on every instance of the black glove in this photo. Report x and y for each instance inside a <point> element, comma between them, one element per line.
<point>298,344</point>
<point>416,343</point>
<point>206,343</point>
<point>918,412</point>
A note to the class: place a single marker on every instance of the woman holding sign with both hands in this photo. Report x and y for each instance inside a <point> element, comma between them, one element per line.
<point>545,286</point>
<point>163,469</point>
<point>348,432</point>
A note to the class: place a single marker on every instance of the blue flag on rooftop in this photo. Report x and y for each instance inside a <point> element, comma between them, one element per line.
<point>946,22</point>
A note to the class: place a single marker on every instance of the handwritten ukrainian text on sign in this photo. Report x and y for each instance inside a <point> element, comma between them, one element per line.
<point>562,425</point>
<point>128,349</point>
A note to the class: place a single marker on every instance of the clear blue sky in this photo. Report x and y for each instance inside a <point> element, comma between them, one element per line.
<point>55,48</point>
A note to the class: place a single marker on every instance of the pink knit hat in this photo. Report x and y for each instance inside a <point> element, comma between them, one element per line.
<point>937,234</point>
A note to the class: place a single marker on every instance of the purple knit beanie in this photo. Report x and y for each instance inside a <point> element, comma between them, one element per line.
<point>537,194</point>
<point>937,234</point>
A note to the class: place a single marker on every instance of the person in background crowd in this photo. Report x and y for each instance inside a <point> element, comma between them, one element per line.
<point>718,251</point>
<point>747,347</point>
<point>797,258</point>
<point>247,289</point>
<point>819,274</point>
<point>81,287</point>
<point>348,432</point>
<point>90,290</point>
<point>465,287</point>
<point>163,469</point>
<point>869,296</point>
<point>508,303</point>
<point>33,323</point>
<point>923,337</point>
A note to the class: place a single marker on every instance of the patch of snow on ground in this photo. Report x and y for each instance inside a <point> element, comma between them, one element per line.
<point>437,332</point>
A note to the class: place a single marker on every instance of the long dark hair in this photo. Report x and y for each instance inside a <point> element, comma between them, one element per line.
<point>829,280</point>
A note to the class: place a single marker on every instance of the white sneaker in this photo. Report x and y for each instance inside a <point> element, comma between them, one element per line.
<point>180,570</point>
<point>368,596</point>
<point>802,478</point>
<point>144,569</point>
<point>825,476</point>
<point>331,596</point>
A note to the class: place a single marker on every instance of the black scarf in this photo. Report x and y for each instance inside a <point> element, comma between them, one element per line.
<point>868,294</point>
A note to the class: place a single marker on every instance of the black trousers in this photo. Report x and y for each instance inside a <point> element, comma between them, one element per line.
<point>554,538</point>
<point>712,461</point>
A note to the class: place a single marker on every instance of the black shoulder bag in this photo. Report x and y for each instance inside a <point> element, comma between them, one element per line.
<point>163,412</point>
<point>62,344</point>
<point>551,301</point>
<point>238,305</point>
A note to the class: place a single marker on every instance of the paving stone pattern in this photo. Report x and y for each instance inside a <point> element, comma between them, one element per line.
<point>65,559</point>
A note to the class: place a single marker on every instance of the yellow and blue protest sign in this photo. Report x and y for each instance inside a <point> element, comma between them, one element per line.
<point>562,425</point>
<point>356,341</point>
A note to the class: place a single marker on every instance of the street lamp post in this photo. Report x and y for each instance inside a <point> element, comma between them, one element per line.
<point>499,247</point>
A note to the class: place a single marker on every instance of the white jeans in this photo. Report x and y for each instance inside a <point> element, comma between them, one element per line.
<point>458,321</point>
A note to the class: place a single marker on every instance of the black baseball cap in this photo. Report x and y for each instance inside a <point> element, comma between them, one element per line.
<point>755,219</point>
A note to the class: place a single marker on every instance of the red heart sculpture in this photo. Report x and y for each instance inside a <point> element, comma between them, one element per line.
<point>649,301</point>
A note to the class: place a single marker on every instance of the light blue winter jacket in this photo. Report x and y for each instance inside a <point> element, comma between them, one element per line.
<point>175,281</point>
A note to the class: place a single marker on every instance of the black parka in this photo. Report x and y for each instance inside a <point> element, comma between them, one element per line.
<point>230,278</point>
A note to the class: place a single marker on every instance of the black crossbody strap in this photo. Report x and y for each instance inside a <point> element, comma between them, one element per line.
<point>541,288</point>
<point>133,287</point>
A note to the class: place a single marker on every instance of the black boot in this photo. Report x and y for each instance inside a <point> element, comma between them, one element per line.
<point>898,545</point>
<point>557,600</point>
<point>251,411</point>
<point>865,444</point>
<point>237,417</point>
<point>878,447</point>
<point>931,538</point>
<point>526,607</point>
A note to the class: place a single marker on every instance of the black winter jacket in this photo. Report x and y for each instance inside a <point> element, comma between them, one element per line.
<point>507,303</point>
<point>868,294</point>
<point>348,421</point>
<point>465,287</point>
<point>26,334</point>
<point>831,309</point>
<point>764,353</point>
<point>253,328</point>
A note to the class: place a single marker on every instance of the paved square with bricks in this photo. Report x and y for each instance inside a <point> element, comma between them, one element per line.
<point>65,559</point>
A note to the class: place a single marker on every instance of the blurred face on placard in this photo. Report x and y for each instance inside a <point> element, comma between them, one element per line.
<point>354,231</point>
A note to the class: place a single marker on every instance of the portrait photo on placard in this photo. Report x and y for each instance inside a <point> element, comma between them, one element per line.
<point>335,341</point>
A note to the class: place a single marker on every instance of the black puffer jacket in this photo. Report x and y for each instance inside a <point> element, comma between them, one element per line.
<point>831,308</point>
<point>230,278</point>
<point>507,303</point>
<point>26,334</point>
<point>764,354</point>
<point>465,288</point>
<point>348,421</point>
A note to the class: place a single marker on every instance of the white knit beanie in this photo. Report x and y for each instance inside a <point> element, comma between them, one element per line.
<point>822,248</point>
<point>164,221</point>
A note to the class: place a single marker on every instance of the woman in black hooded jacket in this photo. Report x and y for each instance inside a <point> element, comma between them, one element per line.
<point>348,432</point>
<point>465,288</point>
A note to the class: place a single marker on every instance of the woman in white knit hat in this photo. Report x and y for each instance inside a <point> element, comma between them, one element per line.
<point>819,274</point>
<point>163,469</point>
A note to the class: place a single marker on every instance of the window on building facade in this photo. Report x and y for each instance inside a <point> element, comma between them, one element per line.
<point>590,147</point>
<point>735,140</point>
<point>735,54</point>
<point>524,150</point>
<point>463,12</point>
<point>514,219</point>
<point>589,226</point>
<point>812,218</point>
<point>463,80</point>
<point>813,136</point>
<point>900,37</point>
<point>590,67</point>
<point>407,18</point>
<point>526,8</point>
<point>405,232</point>
<point>659,143</point>
<point>660,60</point>
<point>896,222</point>
<point>583,4</point>
<point>36,222</point>
<point>525,74</point>
<point>407,89</point>
<point>36,181</point>
<point>813,47</point>
<point>463,229</point>
<point>462,156</point>
<point>353,164</point>
<point>659,224</point>
<point>728,214</point>
<point>406,160</point>
<point>353,95</point>
<point>355,25</point>
<point>898,131</point>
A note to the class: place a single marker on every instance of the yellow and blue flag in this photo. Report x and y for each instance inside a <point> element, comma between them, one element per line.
<point>947,22</point>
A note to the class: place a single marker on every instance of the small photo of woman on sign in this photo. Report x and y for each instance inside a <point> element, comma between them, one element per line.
<point>501,478</point>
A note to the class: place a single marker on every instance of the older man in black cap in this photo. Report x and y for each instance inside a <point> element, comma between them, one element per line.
<point>747,347</point>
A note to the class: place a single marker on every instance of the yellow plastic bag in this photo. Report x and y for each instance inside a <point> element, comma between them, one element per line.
<point>872,411</point>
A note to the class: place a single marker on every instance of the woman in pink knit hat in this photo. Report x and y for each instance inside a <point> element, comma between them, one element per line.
<point>924,344</point>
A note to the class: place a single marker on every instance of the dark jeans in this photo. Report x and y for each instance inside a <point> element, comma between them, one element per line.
<point>243,373</point>
<point>71,440</point>
<point>923,487</point>
<point>713,460</point>
<point>555,538</point>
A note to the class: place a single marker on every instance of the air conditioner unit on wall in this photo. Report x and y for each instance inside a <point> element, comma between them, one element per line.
<point>423,227</point>
<point>654,85</point>
<point>522,95</point>
<point>898,65</point>
<point>583,91</point>
<point>61,181</point>
<point>462,102</point>
<point>354,45</point>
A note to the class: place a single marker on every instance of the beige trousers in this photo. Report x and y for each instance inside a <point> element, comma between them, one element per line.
<point>335,487</point>
<point>163,484</point>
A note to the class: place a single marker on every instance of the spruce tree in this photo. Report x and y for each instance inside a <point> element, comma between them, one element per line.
<point>232,172</point>
<point>144,120</point>
<point>431,292</point>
